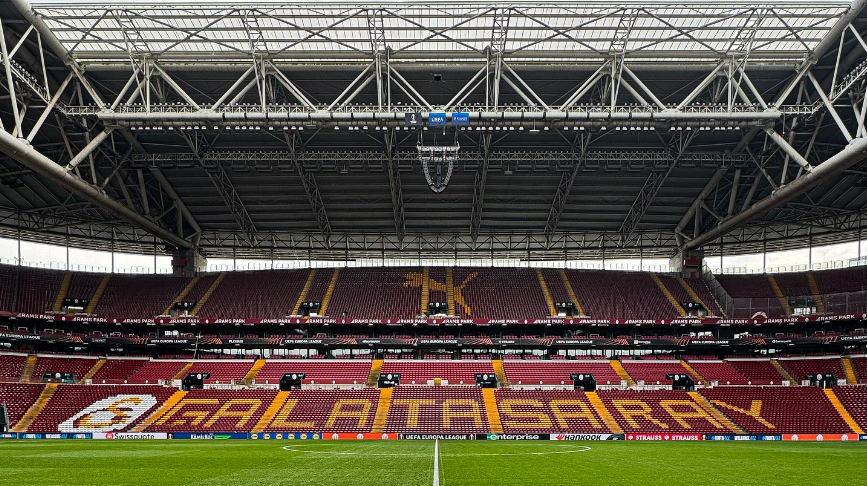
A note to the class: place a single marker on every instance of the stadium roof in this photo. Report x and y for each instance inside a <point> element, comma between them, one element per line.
<point>616,129</point>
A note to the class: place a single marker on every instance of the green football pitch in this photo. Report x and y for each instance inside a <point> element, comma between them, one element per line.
<point>485,463</point>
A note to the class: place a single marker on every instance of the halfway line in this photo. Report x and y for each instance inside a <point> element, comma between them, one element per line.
<point>436,475</point>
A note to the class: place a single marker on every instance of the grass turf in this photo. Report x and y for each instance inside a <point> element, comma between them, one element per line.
<point>411,463</point>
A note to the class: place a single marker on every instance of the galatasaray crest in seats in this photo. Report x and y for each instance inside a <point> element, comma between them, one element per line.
<point>109,414</point>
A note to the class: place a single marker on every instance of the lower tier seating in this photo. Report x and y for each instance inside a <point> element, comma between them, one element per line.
<point>652,372</point>
<point>860,366</point>
<point>350,411</point>
<point>12,366</point>
<point>78,365</point>
<point>157,370</point>
<point>719,371</point>
<point>758,371</point>
<point>215,411</point>
<point>117,370</point>
<point>659,411</point>
<point>854,399</point>
<point>778,410</point>
<point>799,368</point>
<point>98,408</point>
<point>437,410</point>
<point>222,371</point>
<point>529,411</point>
<point>18,397</point>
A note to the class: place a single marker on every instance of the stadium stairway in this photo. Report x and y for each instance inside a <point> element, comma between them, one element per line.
<point>97,294</point>
<point>450,289</point>
<point>90,373</point>
<point>784,302</point>
<point>27,374</point>
<point>552,309</point>
<point>304,291</point>
<point>180,374</point>
<point>271,411</point>
<point>207,295</point>
<point>497,364</point>
<point>35,409</point>
<point>572,296</point>
<point>698,377</point>
<point>851,378</point>
<point>425,289</point>
<point>668,295</point>
<point>493,412</point>
<point>382,410</point>
<point>817,296</point>
<point>328,292</point>
<point>182,295</point>
<point>251,375</point>
<point>373,377</point>
<point>715,413</point>
<point>621,372</point>
<point>783,372</point>
<point>842,411</point>
<point>603,412</point>
<point>170,403</point>
<point>61,294</point>
<point>694,296</point>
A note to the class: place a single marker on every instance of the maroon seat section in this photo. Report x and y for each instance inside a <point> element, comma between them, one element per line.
<point>720,371</point>
<point>659,411</point>
<point>778,410</point>
<point>546,411</point>
<point>437,410</point>
<point>318,372</point>
<point>18,397</point>
<point>601,292</point>
<point>854,400</point>
<point>99,408</point>
<point>78,365</point>
<point>267,294</point>
<point>215,411</point>
<point>521,372</point>
<point>758,371</point>
<point>157,370</point>
<point>138,295</point>
<point>418,372</point>
<point>118,370</point>
<point>653,372</point>
<point>350,411</point>
<point>798,368</point>
<point>12,366</point>
<point>371,293</point>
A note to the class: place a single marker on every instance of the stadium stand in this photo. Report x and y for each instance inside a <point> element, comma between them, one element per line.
<point>437,410</point>
<point>116,408</point>
<point>538,372</point>
<point>317,372</point>
<point>566,411</point>
<point>759,371</point>
<point>12,366</point>
<point>652,372</point>
<point>214,411</point>
<point>854,399</point>
<point>860,366</point>
<point>261,294</point>
<point>752,294</point>
<point>156,370</point>
<point>37,289</point>
<point>798,368</point>
<point>376,293</point>
<point>18,397</point>
<point>78,365</point>
<point>139,295</point>
<point>601,294</point>
<point>222,371</point>
<point>349,411</point>
<point>118,370</point>
<point>778,410</point>
<point>720,371</point>
<point>499,293</point>
<point>421,371</point>
<point>659,411</point>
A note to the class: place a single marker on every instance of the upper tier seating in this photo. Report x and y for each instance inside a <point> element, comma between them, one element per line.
<point>783,410</point>
<point>263,294</point>
<point>854,400</point>
<point>794,284</point>
<point>138,295</point>
<point>12,366</point>
<point>130,404</point>
<point>499,293</point>
<point>800,367</point>
<point>215,411</point>
<point>659,411</point>
<point>558,290</point>
<point>117,370</point>
<point>350,411</point>
<point>83,285</point>
<point>8,276</point>
<point>79,365</point>
<point>568,411</point>
<point>157,370</point>
<point>222,371</point>
<point>700,288</point>
<point>759,371</point>
<point>720,371</point>
<point>751,294</point>
<point>316,371</point>
<point>370,293</point>
<point>842,280</point>
<point>419,372</point>
<point>18,397</point>
<point>652,372</point>
<point>535,372</point>
<point>437,410</point>
<point>37,289</point>
<point>601,294</point>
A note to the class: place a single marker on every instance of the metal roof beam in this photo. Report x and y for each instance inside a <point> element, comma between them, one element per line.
<point>853,153</point>
<point>308,180</point>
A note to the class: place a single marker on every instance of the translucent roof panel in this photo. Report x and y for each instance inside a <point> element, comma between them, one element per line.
<point>453,30</point>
